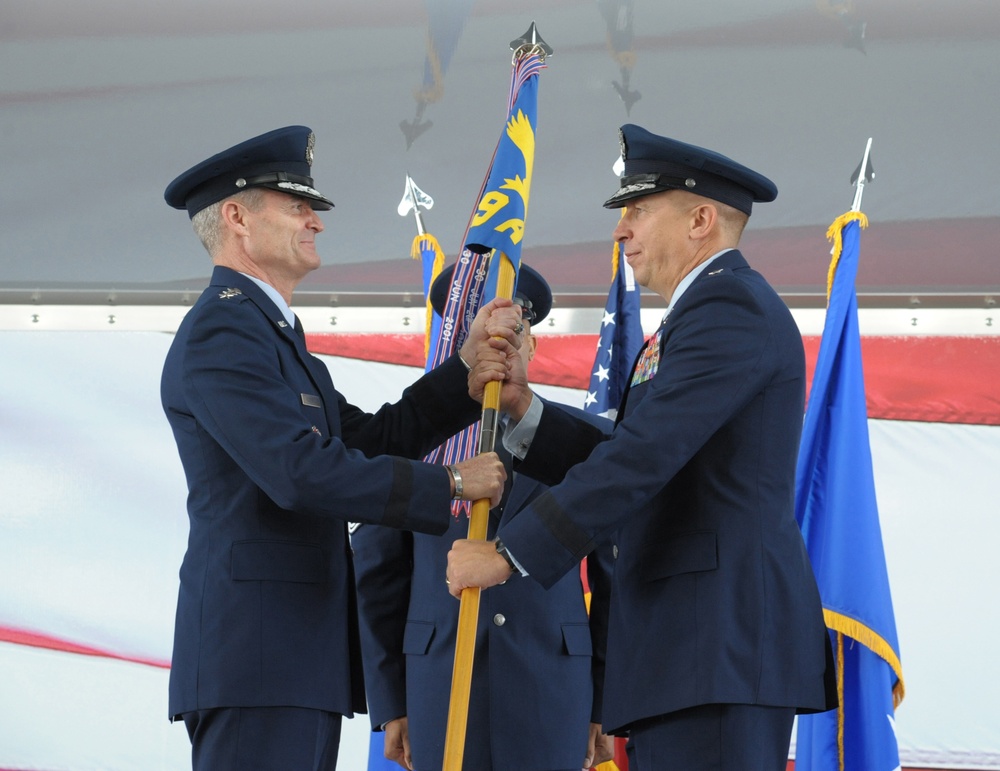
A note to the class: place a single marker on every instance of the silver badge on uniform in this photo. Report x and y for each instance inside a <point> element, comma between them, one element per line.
<point>310,144</point>
<point>225,294</point>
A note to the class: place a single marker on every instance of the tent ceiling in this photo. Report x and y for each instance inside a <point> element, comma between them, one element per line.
<point>103,103</point>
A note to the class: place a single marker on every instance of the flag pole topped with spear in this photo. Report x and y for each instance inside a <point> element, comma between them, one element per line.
<point>425,248</point>
<point>859,179</point>
<point>837,510</point>
<point>862,175</point>
<point>497,228</point>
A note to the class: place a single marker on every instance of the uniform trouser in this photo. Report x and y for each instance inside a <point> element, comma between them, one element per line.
<point>712,737</point>
<point>263,739</point>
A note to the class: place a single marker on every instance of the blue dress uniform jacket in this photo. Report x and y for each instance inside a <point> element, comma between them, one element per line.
<point>535,670</point>
<point>713,597</point>
<point>277,462</point>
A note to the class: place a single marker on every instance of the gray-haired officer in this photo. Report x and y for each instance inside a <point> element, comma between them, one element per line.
<point>266,652</point>
<point>716,635</point>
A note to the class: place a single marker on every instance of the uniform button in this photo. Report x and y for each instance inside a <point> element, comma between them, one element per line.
<point>499,619</point>
<point>614,551</point>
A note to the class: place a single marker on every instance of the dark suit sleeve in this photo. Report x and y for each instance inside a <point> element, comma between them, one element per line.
<point>383,565</point>
<point>241,384</point>
<point>564,438</point>
<point>716,354</point>
<point>434,408</point>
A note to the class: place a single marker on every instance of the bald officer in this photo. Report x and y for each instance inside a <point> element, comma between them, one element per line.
<point>716,636</point>
<point>536,675</point>
<point>265,659</point>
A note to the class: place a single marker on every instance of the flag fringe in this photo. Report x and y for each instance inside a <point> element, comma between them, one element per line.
<point>422,242</point>
<point>840,701</point>
<point>854,629</point>
<point>616,252</point>
<point>835,233</point>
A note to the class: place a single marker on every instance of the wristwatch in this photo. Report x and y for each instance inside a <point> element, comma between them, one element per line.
<point>502,551</point>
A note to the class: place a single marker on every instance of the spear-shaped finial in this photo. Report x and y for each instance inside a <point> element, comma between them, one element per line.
<point>628,95</point>
<point>530,42</point>
<point>859,178</point>
<point>414,198</point>
<point>414,128</point>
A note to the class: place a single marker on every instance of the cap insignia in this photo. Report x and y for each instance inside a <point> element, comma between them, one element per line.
<point>295,187</point>
<point>225,294</point>
<point>634,188</point>
<point>310,144</point>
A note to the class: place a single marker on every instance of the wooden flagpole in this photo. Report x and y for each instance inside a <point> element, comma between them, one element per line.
<point>468,614</point>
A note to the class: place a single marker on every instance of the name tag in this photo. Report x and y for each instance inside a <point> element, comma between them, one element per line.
<point>311,400</point>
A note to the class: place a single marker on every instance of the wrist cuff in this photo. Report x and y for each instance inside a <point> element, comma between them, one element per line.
<point>456,477</point>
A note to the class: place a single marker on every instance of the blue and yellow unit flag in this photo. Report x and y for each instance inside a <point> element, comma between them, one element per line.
<point>497,225</point>
<point>497,230</point>
<point>836,509</point>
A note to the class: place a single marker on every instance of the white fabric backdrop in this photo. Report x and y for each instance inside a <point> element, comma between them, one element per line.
<point>93,527</point>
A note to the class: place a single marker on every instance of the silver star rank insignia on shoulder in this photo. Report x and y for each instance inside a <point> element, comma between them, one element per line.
<point>225,294</point>
<point>716,272</point>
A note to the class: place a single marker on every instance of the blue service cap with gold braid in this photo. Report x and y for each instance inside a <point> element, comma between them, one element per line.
<point>279,160</point>
<point>654,163</point>
<point>532,294</point>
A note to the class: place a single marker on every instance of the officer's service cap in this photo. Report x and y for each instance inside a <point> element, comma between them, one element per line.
<point>654,163</point>
<point>278,160</point>
<point>532,293</point>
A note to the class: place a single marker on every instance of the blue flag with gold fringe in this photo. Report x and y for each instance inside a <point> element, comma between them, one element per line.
<point>498,222</point>
<point>618,343</point>
<point>427,249</point>
<point>837,511</point>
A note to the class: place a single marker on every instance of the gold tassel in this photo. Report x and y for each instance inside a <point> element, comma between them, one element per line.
<point>874,642</point>
<point>840,700</point>
<point>835,233</point>
<point>421,243</point>
<point>616,253</point>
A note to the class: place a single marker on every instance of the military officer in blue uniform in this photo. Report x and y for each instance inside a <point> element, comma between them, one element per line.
<point>536,674</point>
<point>266,656</point>
<point>716,635</point>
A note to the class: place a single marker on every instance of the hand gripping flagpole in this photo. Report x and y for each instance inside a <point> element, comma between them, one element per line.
<point>530,44</point>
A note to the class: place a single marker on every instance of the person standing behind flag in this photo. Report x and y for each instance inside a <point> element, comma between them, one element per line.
<point>536,680</point>
<point>266,653</point>
<point>716,635</point>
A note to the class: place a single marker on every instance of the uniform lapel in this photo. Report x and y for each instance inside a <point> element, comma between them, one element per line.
<point>318,373</point>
